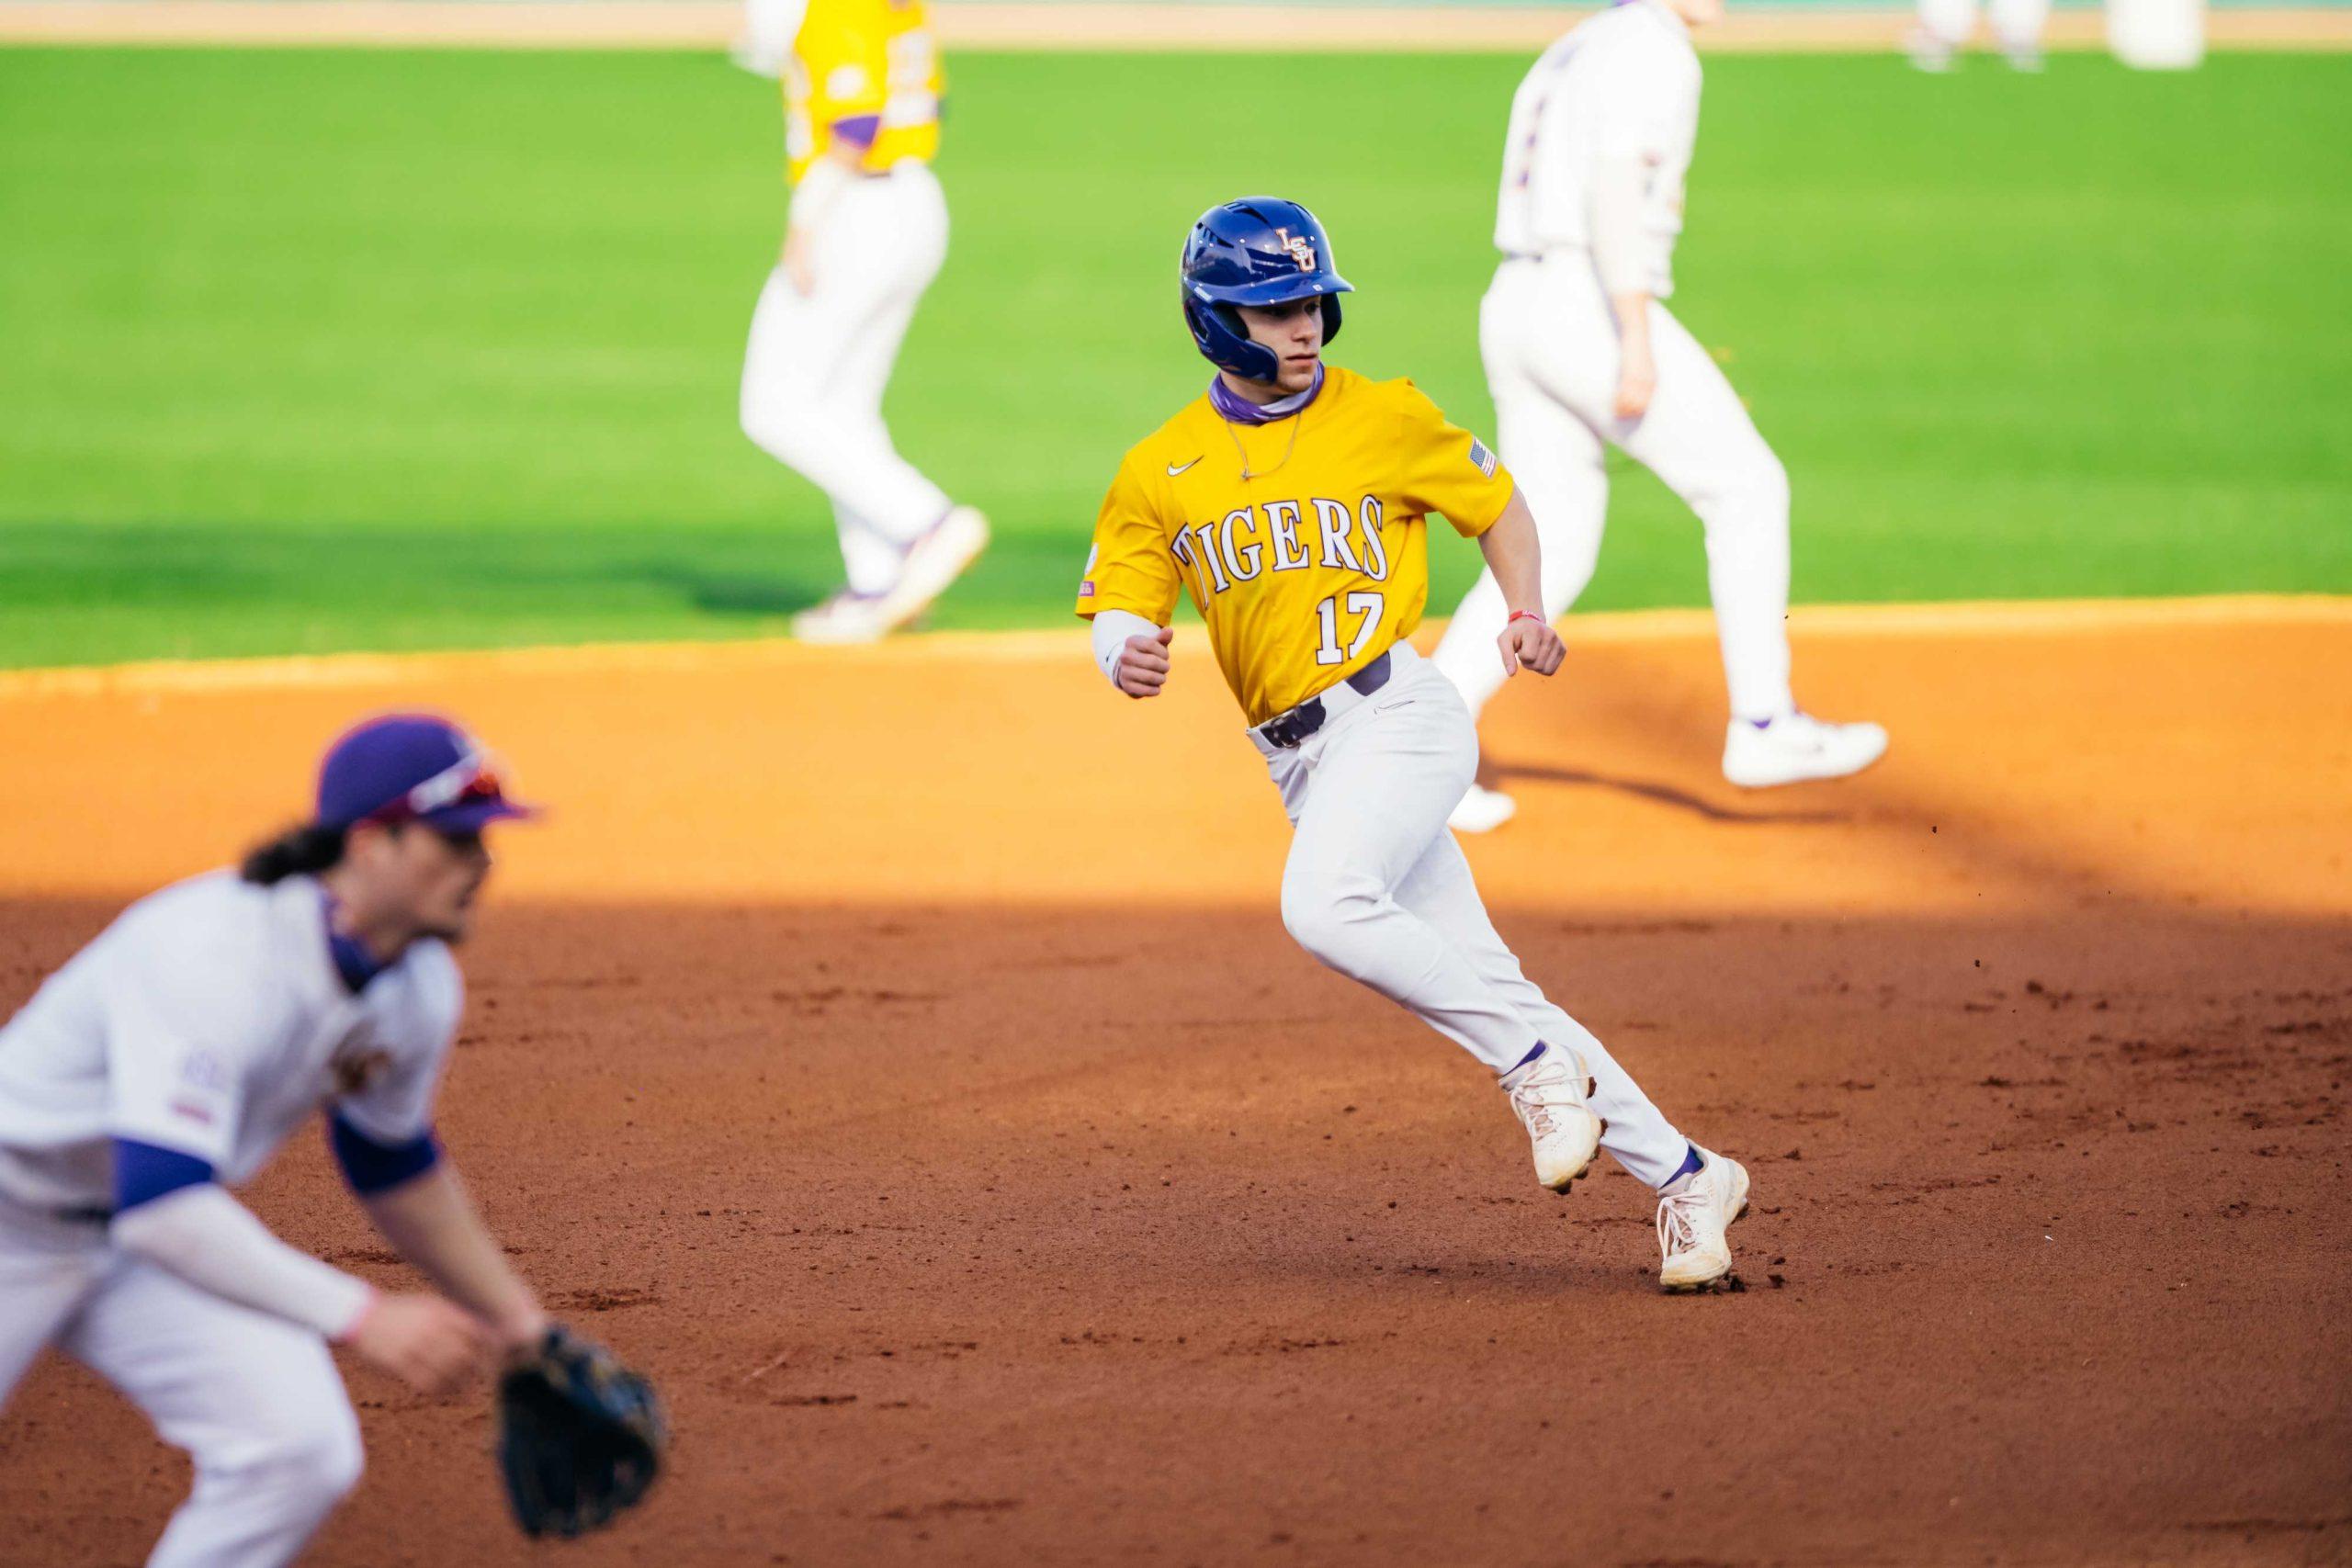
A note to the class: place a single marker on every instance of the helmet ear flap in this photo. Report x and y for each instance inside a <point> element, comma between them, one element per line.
<point>1223,340</point>
<point>1245,355</point>
<point>1330,317</point>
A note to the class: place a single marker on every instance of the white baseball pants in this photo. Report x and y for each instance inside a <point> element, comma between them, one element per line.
<point>253,1400</point>
<point>2016,24</point>
<point>1376,887</point>
<point>1550,344</point>
<point>816,365</point>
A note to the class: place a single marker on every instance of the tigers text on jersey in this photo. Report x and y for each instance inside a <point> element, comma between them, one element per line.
<point>209,1019</point>
<point>863,59</point>
<point>1623,84</point>
<point>1315,566</point>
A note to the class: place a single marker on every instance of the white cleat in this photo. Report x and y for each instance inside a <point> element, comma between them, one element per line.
<point>932,562</point>
<point>1796,747</point>
<point>1553,1095</point>
<point>1692,1216</point>
<point>846,617</point>
<point>1928,53</point>
<point>1482,810</point>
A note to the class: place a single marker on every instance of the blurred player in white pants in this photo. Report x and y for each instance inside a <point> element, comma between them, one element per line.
<point>162,1069</point>
<point>1946,25</point>
<point>868,233</point>
<point>1580,352</point>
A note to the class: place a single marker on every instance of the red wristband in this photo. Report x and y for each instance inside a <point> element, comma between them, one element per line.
<point>1523,615</point>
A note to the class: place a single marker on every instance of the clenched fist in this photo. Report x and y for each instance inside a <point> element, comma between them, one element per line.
<point>1531,642</point>
<point>1143,663</point>
<point>429,1343</point>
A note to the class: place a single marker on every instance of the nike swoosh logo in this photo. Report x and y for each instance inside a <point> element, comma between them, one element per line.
<point>1175,468</point>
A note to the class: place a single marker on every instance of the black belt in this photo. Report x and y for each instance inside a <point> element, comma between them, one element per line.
<point>1286,730</point>
<point>67,1215</point>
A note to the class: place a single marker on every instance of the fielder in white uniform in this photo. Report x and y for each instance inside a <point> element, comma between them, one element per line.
<point>1293,502</point>
<point>164,1065</point>
<point>866,234</point>
<point>1581,352</point>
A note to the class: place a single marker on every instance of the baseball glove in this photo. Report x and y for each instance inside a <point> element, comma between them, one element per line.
<point>580,1437</point>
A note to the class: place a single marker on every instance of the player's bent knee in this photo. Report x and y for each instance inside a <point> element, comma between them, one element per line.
<point>338,1464</point>
<point>1329,923</point>
<point>1306,916</point>
<point>1748,492</point>
<point>310,1463</point>
<point>777,426</point>
<point>762,425</point>
<point>328,1465</point>
<point>1762,484</point>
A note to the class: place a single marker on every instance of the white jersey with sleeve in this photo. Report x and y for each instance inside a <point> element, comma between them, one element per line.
<point>209,1019</point>
<point>1621,84</point>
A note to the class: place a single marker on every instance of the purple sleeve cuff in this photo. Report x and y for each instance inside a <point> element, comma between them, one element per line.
<point>858,128</point>
<point>144,1172</point>
<point>371,1167</point>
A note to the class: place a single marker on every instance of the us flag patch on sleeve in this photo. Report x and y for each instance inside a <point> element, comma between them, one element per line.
<point>1086,587</point>
<point>1480,458</point>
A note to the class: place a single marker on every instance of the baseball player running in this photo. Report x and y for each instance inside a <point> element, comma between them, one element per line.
<point>1292,502</point>
<point>166,1063</point>
<point>866,234</point>
<point>1581,351</point>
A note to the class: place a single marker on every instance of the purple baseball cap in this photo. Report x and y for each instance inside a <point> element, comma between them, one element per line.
<point>412,767</point>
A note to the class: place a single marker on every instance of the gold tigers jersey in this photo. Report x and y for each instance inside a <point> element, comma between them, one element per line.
<point>1315,566</point>
<point>856,60</point>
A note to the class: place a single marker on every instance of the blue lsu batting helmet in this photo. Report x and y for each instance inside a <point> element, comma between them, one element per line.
<point>1260,250</point>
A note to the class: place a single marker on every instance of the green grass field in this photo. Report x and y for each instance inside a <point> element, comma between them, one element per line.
<point>303,351</point>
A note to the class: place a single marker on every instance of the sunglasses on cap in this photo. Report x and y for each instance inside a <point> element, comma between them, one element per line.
<point>469,780</point>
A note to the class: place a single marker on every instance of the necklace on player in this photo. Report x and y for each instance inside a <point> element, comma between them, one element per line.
<point>1248,473</point>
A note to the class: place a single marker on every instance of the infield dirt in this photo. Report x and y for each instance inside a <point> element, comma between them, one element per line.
<point>1031,24</point>
<point>900,1057</point>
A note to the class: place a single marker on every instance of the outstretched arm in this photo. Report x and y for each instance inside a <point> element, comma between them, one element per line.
<point>1515,555</point>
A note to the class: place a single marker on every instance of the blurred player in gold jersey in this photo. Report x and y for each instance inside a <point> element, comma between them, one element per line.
<point>1291,503</point>
<point>866,234</point>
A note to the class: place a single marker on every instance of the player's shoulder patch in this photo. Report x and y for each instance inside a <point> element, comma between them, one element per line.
<point>1481,458</point>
